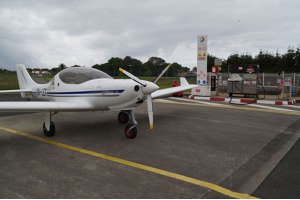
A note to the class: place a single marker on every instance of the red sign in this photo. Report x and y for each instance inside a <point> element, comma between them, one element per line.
<point>250,69</point>
<point>214,69</point>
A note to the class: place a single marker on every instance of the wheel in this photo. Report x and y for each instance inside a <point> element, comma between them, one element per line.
<point>51,132</point>
<point>130,131</point>
<point>123,117</point>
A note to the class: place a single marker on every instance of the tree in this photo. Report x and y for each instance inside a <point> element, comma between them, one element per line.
<point>60,67</point>
<point>297,59</point>
<point>113,66</point>
<point>76,66</point>
<point>133,65</point>
<point>210,62</point>
<point>156,65</point>
<point>174,70</point>
<point>290,60</point>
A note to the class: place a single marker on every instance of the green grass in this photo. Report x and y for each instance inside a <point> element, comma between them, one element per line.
<point>10,82</point>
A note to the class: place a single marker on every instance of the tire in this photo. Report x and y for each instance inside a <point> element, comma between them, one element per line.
<point>51,132</point>
<point>130,131</point>
<point>123,118</point>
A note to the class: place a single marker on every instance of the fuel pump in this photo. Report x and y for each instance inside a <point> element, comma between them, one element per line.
<point>213,78</point>
<point>243,79</point>
<point>287,88</point>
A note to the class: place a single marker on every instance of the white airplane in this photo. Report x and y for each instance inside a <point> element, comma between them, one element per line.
<point>87,89</point>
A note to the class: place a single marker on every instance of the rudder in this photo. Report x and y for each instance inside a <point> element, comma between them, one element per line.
<point>24,79</point>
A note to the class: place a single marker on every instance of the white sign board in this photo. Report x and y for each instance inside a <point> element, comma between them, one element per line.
<point>202,60</point>
<point>218,62</point>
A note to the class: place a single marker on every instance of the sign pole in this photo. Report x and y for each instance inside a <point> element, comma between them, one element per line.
<point>203,88</point>
<point>202,60</point>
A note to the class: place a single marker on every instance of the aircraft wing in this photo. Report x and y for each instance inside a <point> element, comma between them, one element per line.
<point>184,85</point>
<point>37,106</point>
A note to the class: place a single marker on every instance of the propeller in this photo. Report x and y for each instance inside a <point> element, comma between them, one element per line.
<point>162,73</point>
<point>136,79</point>
<point>147,89</point>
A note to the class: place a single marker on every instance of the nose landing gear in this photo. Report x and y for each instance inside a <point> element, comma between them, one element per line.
<point>130,129</point>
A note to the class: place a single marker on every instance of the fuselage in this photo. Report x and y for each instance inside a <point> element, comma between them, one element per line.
<point>101,91</point>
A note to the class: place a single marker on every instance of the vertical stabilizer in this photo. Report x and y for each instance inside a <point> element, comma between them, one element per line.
<point>24,79</point>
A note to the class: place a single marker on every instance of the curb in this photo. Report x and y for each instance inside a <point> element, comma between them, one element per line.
<point>243,100</point>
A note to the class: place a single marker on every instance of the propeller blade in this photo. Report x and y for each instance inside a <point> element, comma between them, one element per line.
<point>150,110</point>
<point>136,79</point>
<point>163,72</point>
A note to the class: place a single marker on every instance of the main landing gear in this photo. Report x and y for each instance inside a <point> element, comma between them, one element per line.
<point>126,116</point>
<point>48,126</point>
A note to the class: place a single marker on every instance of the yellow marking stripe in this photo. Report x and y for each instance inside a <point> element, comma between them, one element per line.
<point>121,70</point>
<point>232,107</point>
<point>204,184</point>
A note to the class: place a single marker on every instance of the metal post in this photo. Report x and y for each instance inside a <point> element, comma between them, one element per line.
<point>297,84</point>
<point>263,83</point>
<point>217,84</point>
<point>282,92</point>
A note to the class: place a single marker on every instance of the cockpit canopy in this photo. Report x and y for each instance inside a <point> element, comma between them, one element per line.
<point>78,75</point>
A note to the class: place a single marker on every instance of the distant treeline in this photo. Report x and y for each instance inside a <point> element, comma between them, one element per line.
<point>269,62</point>
<point>152,68</point>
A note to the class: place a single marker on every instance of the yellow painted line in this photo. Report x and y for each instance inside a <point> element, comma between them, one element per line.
<point>232,107</point>
<point>187,179</point>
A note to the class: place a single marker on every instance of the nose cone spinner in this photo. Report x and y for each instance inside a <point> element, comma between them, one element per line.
<point>149,88</point>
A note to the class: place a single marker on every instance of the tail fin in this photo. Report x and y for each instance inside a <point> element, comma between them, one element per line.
<point>183,81</point>
<point>25,80</point>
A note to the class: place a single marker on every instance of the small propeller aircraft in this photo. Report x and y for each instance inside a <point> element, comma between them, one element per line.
<point>87,89</point>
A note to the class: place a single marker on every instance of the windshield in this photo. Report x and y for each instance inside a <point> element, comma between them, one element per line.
<point>77,75</point>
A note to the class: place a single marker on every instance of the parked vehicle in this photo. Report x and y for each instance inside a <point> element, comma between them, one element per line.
<point>190,75</point>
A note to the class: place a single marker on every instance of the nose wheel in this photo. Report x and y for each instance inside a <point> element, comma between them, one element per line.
<point>130,129</point>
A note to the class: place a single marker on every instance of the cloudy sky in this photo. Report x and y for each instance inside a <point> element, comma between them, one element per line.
<point>45,33</point>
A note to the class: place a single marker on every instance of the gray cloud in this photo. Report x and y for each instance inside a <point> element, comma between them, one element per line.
<point>47,33</point>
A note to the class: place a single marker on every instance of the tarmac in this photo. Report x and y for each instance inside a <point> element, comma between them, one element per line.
<point>198,149</point>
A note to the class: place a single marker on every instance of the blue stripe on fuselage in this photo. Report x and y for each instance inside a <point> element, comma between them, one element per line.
<point>88,92</point>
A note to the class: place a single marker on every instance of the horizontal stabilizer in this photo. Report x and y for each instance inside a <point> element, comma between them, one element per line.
<point>14,91</point>
<point>164,92</point>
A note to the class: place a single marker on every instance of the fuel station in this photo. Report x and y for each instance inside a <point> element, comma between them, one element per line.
<point>243,79</point>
